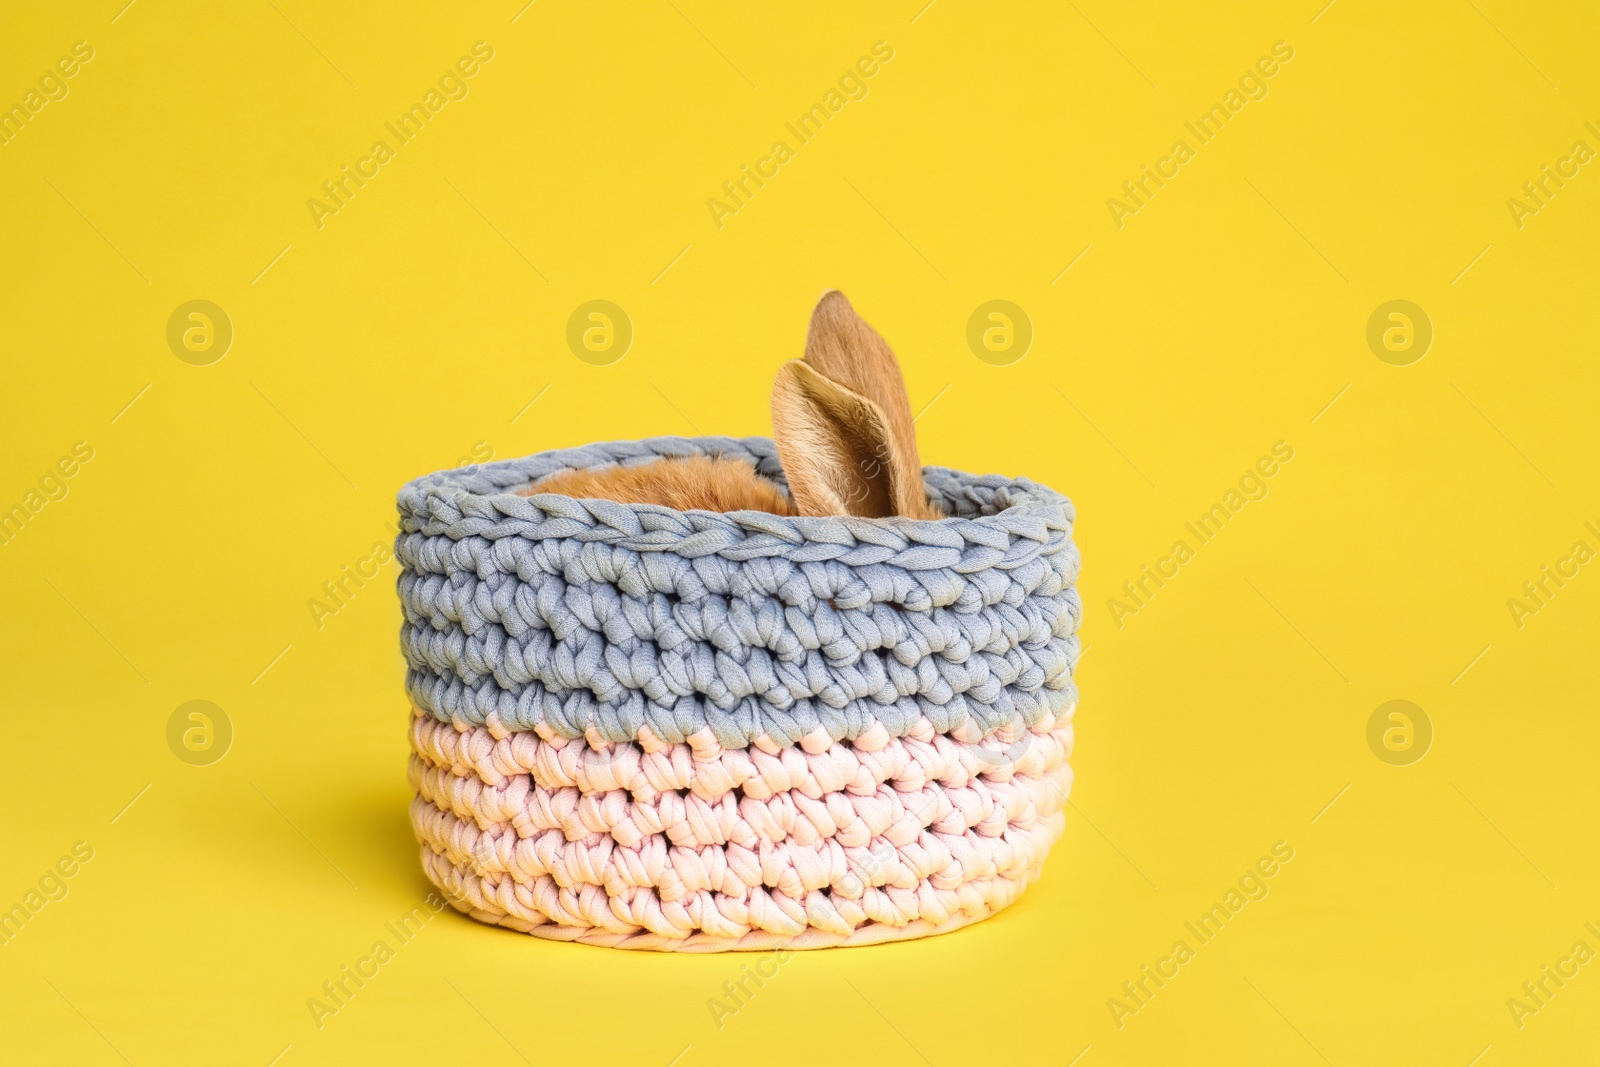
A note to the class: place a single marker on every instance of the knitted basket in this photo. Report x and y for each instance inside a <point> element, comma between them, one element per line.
<point>647,728</point>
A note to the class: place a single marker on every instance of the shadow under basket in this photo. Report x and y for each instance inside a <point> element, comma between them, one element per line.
<point>685,730</point>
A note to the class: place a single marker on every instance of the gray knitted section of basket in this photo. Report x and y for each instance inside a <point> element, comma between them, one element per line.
<point>592,616</point>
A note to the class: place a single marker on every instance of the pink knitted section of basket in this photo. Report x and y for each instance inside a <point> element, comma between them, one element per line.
<point>693,846</point>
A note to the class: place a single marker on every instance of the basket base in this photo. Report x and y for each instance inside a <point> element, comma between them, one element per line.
<point>691,847</point>
<point>872,933</point>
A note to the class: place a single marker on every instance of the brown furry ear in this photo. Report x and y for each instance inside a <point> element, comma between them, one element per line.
<point>833,444</point>
<point>842,347</point>
<point>844,424</point>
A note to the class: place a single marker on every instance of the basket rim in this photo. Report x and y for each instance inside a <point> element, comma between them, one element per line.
<point>488,491</point>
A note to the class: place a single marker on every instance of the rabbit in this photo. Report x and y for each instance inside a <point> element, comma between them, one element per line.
<point>843,427</point>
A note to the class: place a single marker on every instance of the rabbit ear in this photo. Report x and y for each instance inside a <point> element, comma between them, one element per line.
<point>833,445</point>
<point>842,348</point>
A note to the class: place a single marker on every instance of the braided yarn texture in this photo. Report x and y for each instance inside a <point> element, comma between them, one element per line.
<point>687,730</point>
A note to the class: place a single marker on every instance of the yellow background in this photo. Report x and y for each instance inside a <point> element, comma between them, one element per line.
<point>419,321</point>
